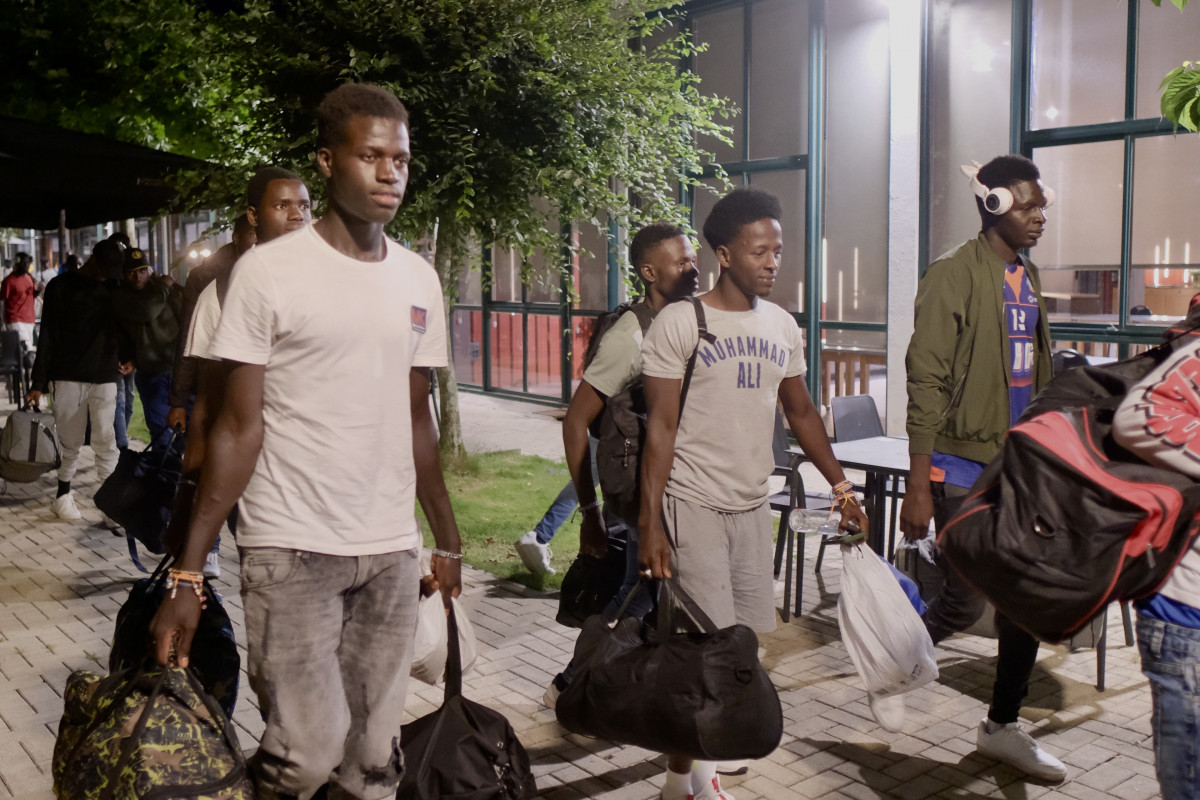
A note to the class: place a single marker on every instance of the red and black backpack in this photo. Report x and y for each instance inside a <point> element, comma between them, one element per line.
<point>1065,521</point>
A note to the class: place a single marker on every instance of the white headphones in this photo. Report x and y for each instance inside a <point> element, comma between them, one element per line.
<point>999,200</point>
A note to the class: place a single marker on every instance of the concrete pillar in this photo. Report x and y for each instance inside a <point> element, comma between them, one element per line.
<point>904,206</point>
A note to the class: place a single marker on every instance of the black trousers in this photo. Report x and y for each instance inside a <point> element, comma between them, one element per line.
<point>958,606</point>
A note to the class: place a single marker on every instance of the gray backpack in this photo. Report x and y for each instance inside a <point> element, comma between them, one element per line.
<point>28,445</point>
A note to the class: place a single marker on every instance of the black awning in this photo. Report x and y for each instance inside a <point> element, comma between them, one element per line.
<point>44,169</point>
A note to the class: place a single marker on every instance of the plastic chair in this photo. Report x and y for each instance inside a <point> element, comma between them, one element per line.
<point>1064,360</point>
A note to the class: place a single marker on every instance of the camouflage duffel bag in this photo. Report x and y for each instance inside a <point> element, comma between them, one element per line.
<point>146,733</point>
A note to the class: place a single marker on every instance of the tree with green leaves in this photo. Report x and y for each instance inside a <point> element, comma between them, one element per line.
<point>524,113</point>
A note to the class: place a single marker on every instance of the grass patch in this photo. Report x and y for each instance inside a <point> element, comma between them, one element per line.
<point>137,423</point>
<point>499,496</point>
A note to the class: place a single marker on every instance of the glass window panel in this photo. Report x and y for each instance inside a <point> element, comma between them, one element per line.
<point>466,330</point>
<point>968,80</point>
<point>1078,69</point>
<point>506,275</point>
<point>789,188</point>
<point>581,333</point>
<point>854,362</point>
<point>706,261</point>
<point>545,277</point>
<point>856,182</point>
<point>1165,272</point>
<point>544,350</point>
<point>1080,253</point>
<point>507,351</point>
<point>469,289</point>
<point>1166,38</point>
<point>721,68</point>
<point>778,103</point>
<point>591,279</point>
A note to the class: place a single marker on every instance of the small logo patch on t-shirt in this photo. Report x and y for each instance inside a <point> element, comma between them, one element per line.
<point>418,319</point>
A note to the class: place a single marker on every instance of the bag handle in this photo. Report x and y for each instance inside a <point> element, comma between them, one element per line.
<point>453,660</point>
<point>689,605</point>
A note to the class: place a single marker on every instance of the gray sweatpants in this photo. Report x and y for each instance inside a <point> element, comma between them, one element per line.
<point>724,561</point>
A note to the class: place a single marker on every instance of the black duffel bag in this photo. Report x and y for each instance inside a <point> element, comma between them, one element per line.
<point>140,492</point>
<point>464,750</point>
<point>214,658</point>
<point>590,584</point>
<point>703,695</point>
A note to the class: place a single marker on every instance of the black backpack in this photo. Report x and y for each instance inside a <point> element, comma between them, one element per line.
<point>1065,521</point>
<point>620,428</point>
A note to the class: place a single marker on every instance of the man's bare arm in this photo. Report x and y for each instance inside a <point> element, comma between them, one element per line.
<point>586,405</point>
<point>232,453</point>
<point>431,487</point>
<point>658,455</point>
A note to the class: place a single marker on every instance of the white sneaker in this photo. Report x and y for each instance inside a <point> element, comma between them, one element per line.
<point>888,711</point>
<point>212,566</point>
<point>1015,747</point>
<point>64,508</point>
<point>550,698</point>
<point>712,791</point>
<point>534,555</point>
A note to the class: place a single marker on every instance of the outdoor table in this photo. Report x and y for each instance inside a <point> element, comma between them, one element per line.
<point>882,458</point>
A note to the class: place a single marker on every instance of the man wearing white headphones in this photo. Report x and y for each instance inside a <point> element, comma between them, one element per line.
<point>980,350</point>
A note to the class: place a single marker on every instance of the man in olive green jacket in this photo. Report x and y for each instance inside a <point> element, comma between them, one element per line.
<point>980,350</point>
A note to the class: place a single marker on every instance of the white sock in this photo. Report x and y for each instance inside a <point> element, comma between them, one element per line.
<point>702,774</point>
<point>678,783</point>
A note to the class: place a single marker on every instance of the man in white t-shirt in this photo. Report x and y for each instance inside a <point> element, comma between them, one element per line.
<point>705,514</point>
<point>329,328</point>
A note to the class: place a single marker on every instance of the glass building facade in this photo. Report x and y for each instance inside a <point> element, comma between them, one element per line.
<point>1071,83</point>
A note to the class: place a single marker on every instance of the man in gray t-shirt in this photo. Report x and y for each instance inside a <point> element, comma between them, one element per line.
<point>704,509</point>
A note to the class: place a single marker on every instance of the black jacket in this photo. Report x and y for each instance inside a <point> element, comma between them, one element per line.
<point>79,338</point>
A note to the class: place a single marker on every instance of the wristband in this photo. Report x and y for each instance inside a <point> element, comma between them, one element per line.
<point>594,504</point>
<point>447,554</point>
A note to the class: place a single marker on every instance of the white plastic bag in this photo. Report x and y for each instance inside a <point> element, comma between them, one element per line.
<point>886,639</point>
<point>431,645</point>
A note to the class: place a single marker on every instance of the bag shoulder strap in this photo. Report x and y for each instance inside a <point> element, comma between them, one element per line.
<point>704,336</point>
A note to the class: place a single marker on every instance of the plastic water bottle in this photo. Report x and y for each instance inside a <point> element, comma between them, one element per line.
<point>809,520</point>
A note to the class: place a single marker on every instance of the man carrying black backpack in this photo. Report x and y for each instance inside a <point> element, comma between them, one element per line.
<point>609,401</point>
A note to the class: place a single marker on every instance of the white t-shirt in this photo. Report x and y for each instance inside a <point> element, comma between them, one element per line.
<point>339,338</point>
<point>723,452</point>
<point>203,326</point>
<point>618,359</point>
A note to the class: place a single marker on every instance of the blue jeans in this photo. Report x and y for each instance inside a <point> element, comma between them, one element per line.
<point>558,513</point>
<point>329,646</point>
<point>155,391</point>
<point>1171,660</point>
<point>124,409</point>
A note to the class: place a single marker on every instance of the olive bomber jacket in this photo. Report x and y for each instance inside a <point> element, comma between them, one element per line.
<point>957,361</point>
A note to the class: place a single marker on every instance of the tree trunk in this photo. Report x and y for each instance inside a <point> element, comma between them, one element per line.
<point>447,262</point>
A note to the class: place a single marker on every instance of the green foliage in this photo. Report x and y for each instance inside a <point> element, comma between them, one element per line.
<point>499,496</point>
<point>1180,93</point>
<point>510,100</point>
<point>1177,3</point>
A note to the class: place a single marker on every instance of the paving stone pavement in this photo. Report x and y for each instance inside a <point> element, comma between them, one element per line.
<point>62,583</point>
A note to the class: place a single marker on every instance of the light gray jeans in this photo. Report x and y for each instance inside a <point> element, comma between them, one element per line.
<point>329,642</point>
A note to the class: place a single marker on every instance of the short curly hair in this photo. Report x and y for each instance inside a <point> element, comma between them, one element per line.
<point>741,207</point>
<point>262,179</point>
<point>355,99</point>
<point>650,237</point>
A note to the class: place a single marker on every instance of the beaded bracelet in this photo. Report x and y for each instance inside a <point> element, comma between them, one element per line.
<point>594,504</point>
<point>447,554</point>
